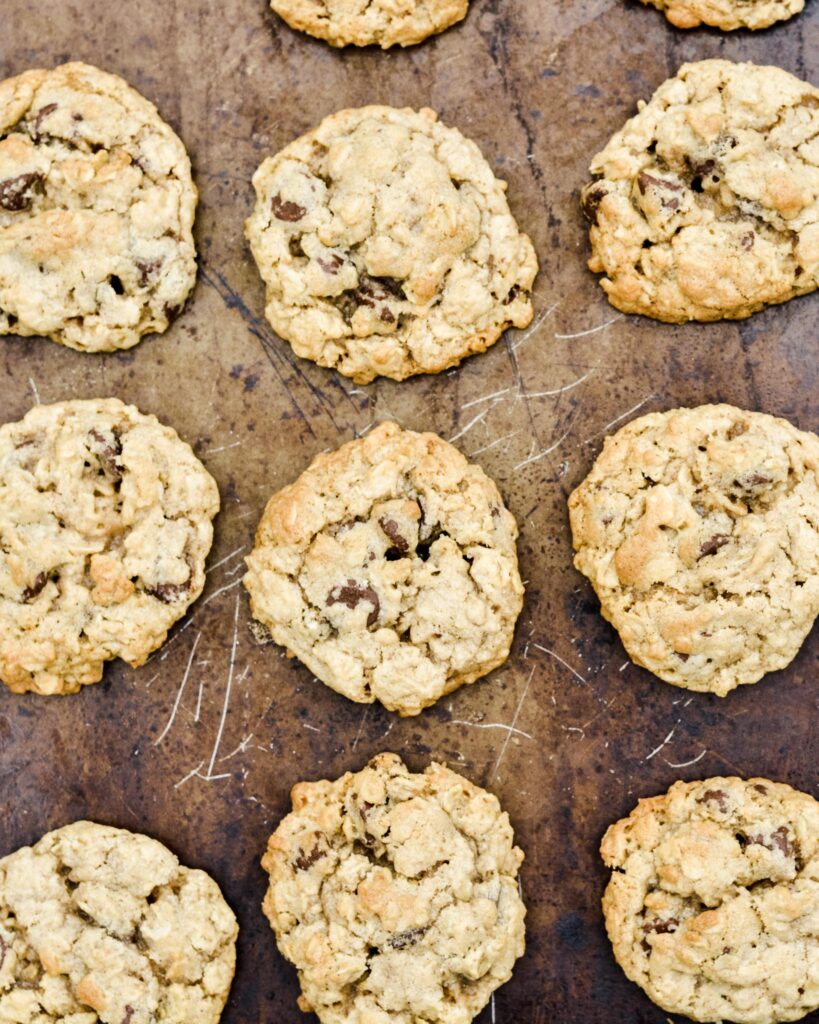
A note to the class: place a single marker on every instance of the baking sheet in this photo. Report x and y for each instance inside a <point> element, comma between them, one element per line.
<point>568,733</point>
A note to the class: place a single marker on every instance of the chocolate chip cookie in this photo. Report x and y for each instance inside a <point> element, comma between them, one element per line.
<point>389,568</point>
<point>100,924</point>
<point>387,246</point>
<point>699,531</point>
<point>705,206</point>
<point>396,895</point>
<point>713,903</point>
<point>727,14</point>
<point>96,211</point>
<point>382,23</point>
<point>105,524</point>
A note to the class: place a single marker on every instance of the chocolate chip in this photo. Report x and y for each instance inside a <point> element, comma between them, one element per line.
<point>352,595</point>
<point>705,168</point>
<point>661,927</point>
<point>590,202</point>
<point>390,527</point>
<point>747,241</point>
<point>718,796</point>
<point>38,119</point>
<point>18,193</point>
<point>710,547</point>
<point>645,181</point>
<point>169,592</point>
<point>77,117</point>
<point>172,312</point>
<point>107,452</point>
<point>779,839</point>
<point>307,860</point>
<point>755,480</point>
<point>285,210</point>
<point>129,1013</point>
<point>407,938</point>
<point>386,315</point>
<point>147,269</point>
<point>372,290</point>
<point>36,587</point>
<point>761,789</point>
<point>514,291</point>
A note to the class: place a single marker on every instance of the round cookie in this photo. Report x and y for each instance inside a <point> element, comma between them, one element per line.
<point>699,531</point>
<point>105,524</point>
<point>96,211</point>
<point>100,924</point>
<point>389,568</point>
<point>396,895</point>
<point>727,14</point>
<point>383,23</point>
<point>705,206</point>
<point>387,246</point>
<point>713,903</point>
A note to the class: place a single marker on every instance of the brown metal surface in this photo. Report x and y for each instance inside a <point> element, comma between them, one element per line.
<point>568,733</point>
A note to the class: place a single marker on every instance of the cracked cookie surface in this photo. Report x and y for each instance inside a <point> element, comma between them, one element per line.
<point>713,904</point>
<point>98,924</point>
<point>105,524</point>
<point>727,14</point>
<point>389,569</point>
<point>699,531</point>
<point>383,23</point>
<point>387,246</point>
<point>706,204</point>
<point>96,211</point>
<point>396,895</point>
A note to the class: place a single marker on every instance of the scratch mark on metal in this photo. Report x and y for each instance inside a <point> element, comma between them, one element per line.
<point>179,692</point>
<point>546,451</point>
<point>657,750</point>
<point>685,764</point>
<point>512,725</point>
<point>361,726</point>
<point>591,330</point>
<point>629,412</point>
<point>227,558</point>
<point>491,725</point>
<point>475,419</point>
<point>228,688</point>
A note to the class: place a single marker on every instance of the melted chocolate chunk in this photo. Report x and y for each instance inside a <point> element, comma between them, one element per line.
<point>661,927</point>
<point>590,203</point>
<point>168,592</point>
<point>36,587</point>
<point>761,789</point>
<point>147,269</point>
<point>747,240</point>
<point>331,266</point>
<point>407,938</point>
<point>171,312</point>
<point>129,1013</point>
<point>107,452</point>
<point>514,291</point>
<point>716,796</point>
<point>18,193</point>
<point>372,290</point>
<point>779,839</point>
<point>390,527</point>
<point>307,860</point>
<point>386,315</point>
<point>352,595</point>
<point>285,210</point>
<point>711,546</point>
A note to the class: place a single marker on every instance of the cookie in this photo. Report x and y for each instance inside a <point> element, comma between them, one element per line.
<point>713,903</point>
<point>105,523</point>
<point>705,206</point>
<point>387,246</point>
<point>96,211</point>
<point>727,14</point>
<point>100,924</point>
<point>395,895</point>
<point>699,531</point>
<point>389,568</point>
<point>382,23</point>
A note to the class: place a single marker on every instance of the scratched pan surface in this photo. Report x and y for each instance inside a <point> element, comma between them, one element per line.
<point>568,734</point>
